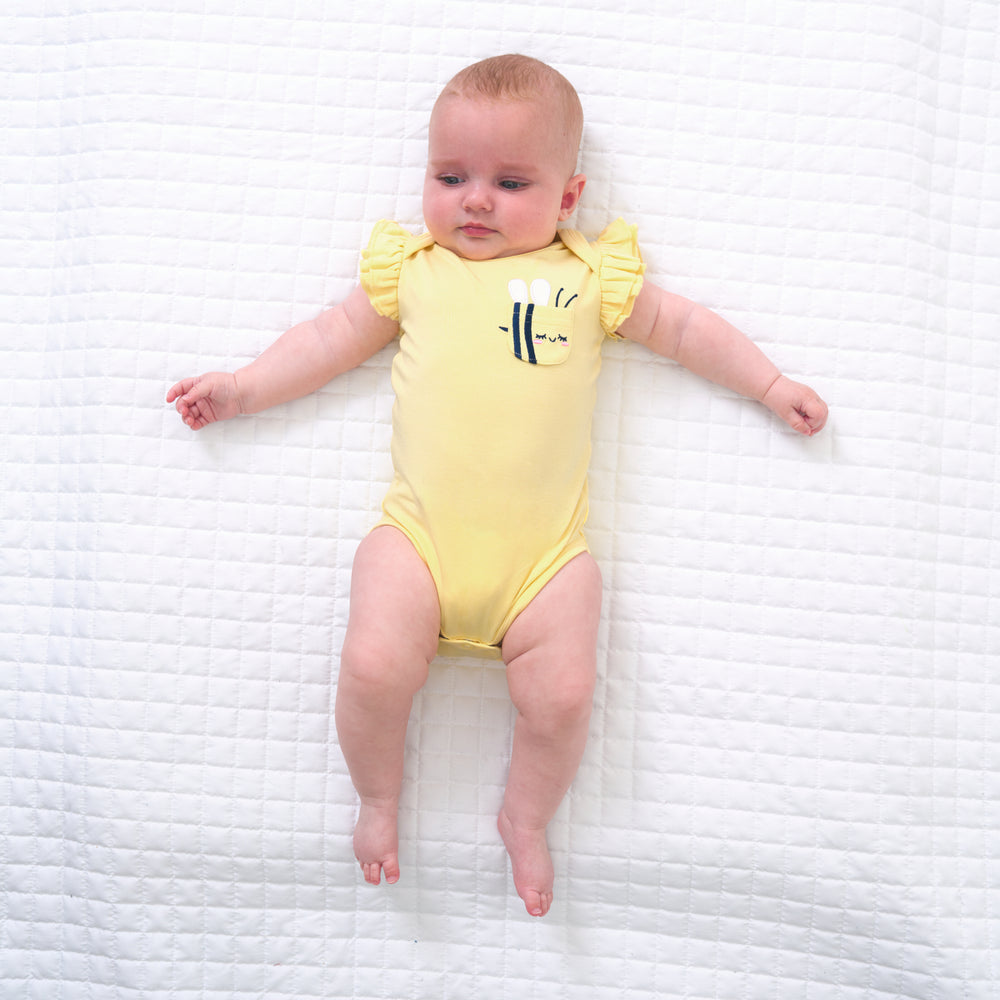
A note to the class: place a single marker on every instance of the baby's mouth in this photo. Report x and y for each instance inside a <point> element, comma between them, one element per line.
<point>474,229</point>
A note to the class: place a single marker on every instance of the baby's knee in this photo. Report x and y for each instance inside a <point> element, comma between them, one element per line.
<point>560,701</point>
<point>571,702</point>
<point>372,670</point>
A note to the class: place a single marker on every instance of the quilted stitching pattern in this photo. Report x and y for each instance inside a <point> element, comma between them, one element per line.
<point>791,788</point>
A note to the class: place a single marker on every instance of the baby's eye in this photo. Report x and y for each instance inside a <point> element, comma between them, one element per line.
<point>449,179</point>
<point>512,185</point>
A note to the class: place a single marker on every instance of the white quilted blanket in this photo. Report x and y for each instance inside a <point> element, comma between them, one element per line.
<point>792,787</point>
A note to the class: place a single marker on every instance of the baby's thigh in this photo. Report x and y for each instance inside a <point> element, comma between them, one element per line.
<point>551,647</point>
<point>394,616</point>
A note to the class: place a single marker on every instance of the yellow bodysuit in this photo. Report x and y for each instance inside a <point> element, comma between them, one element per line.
<point>495,382</point>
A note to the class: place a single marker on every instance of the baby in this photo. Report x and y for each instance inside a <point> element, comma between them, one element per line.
<point>500,317</point>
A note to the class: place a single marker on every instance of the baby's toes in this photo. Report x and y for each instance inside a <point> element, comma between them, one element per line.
<point>537,903</point>
<point>390,867</point>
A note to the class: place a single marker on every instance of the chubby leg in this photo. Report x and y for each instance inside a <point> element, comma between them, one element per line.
<point>391,638</point>
<point>550,651</point>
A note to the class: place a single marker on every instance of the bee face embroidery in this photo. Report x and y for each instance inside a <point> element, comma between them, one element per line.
<point>539,334</point>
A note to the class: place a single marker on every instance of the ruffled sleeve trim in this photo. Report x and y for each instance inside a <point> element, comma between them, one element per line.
<point>620,273</point>
<point>381,262</point>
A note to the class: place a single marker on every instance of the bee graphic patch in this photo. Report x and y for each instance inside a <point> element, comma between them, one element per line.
<point>539,333</point>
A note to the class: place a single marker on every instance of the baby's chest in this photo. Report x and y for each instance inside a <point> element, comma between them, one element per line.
<point>533,323</point>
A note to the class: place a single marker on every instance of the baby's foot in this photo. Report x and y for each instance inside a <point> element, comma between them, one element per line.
<point>531,864</point>
<point>376,842</point>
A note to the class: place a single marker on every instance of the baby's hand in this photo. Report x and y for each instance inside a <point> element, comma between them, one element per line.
<point>797,405</point>
<point>205,399</point>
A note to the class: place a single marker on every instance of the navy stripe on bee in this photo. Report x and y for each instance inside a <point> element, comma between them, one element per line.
<point>528,338</point>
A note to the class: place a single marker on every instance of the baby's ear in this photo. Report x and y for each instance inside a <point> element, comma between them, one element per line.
<point>571,196</point>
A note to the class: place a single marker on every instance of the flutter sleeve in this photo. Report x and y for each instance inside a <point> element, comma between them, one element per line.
<point>381,262</point>
<point>621,271</point>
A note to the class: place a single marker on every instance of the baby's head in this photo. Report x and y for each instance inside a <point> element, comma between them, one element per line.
<point>522,79</point>
<point>504,138</point>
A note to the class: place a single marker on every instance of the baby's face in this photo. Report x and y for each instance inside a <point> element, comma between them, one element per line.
<point>498,179</point>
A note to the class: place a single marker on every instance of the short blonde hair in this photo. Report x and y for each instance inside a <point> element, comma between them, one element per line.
<point>521,78</point>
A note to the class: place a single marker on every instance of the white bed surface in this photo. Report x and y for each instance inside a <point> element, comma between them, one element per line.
<point>791,789</point>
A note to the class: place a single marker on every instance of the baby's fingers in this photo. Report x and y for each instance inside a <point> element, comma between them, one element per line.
<point>809,416</point>
<point>185,396</point>
<point>199,390</point>
<point>179,388</point>
<point>189,392</point>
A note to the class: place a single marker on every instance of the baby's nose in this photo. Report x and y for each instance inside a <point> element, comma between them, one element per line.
<point>477,196</point>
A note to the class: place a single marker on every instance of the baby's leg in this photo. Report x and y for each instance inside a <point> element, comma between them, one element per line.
<point>551,651</point>
<point>391,638</point>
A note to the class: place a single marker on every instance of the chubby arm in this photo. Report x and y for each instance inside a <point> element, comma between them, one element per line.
<point>299,362</point>
<point>707,345</point>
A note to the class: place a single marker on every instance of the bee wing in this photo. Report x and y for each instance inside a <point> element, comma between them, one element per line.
<point>518,289</point>
<point>540,292</point>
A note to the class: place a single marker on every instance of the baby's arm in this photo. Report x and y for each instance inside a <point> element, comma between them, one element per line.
<point>709,346</point>
<point>300,361</point>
